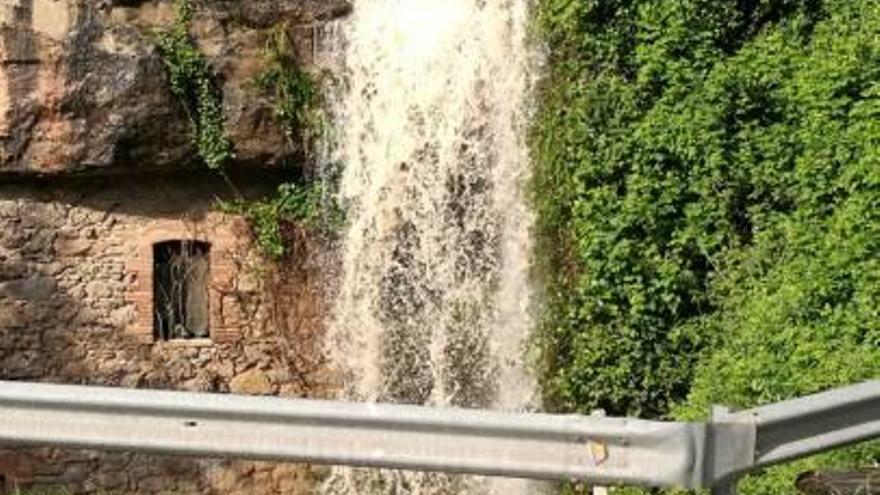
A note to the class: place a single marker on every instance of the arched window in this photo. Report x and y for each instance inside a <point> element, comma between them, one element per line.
<point>180,290</point>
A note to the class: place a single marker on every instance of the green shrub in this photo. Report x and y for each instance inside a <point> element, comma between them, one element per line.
<point>194,82</point>
<point>707,183</point>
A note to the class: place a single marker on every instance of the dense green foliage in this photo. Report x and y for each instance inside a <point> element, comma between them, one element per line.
<point>708,192</point>
<point>194,82</point>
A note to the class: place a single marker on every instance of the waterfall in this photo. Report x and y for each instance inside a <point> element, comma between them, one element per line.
<point>434,300</point>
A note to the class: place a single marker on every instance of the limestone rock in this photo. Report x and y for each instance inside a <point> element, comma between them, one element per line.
<point>83,88</point>
<point>252,382</point>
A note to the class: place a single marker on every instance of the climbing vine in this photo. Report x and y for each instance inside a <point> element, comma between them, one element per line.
<point>306,205</point>
<point>194,82</point>
<point>297,108</point>
<point>292,90</point>
<point>297,104</point>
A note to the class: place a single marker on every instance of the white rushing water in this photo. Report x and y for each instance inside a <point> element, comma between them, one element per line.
<point>434,300</point>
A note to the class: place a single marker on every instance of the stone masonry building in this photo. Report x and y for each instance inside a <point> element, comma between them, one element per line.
<point>116,266</point>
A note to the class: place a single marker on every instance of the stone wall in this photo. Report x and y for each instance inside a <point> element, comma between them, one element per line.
<point>74,303</point>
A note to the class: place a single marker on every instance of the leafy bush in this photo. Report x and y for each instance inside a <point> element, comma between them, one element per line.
<point>707,184</point>
<point>194,82</point>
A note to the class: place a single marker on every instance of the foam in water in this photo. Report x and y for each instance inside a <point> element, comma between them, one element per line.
<point>433,303</point>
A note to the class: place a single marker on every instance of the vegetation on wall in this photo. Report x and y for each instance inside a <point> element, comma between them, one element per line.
<point>293,91</point>
<point>297,106</point>
<point>304,205</point>
<point>194,82</point>
<point>708,191</point>
<point>296,99</point>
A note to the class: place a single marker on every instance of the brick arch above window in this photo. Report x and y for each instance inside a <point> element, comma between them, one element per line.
<point>222,237</point>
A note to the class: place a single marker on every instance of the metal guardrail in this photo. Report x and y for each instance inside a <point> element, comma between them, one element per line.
<point>600,450</point>
<point>797,428</point>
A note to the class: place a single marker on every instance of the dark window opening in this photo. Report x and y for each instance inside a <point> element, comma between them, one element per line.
<point>180,290</point>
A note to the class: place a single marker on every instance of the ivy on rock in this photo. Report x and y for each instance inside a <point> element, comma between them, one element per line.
<point>194,82</point>
<point>293,91</point>
<point>295,96</point>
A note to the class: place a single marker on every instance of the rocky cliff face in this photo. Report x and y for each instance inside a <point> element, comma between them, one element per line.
<point>82,87</point>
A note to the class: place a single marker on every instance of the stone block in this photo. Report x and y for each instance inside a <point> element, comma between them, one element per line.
<point>69,248</point>
<point>251,382</point>
<point>34,288</point>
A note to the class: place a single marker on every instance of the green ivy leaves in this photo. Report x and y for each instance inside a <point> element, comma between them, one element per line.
<point>308,206</point>
<point>193,81</point>
<point>293,90</point>
<point>695,161</point>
